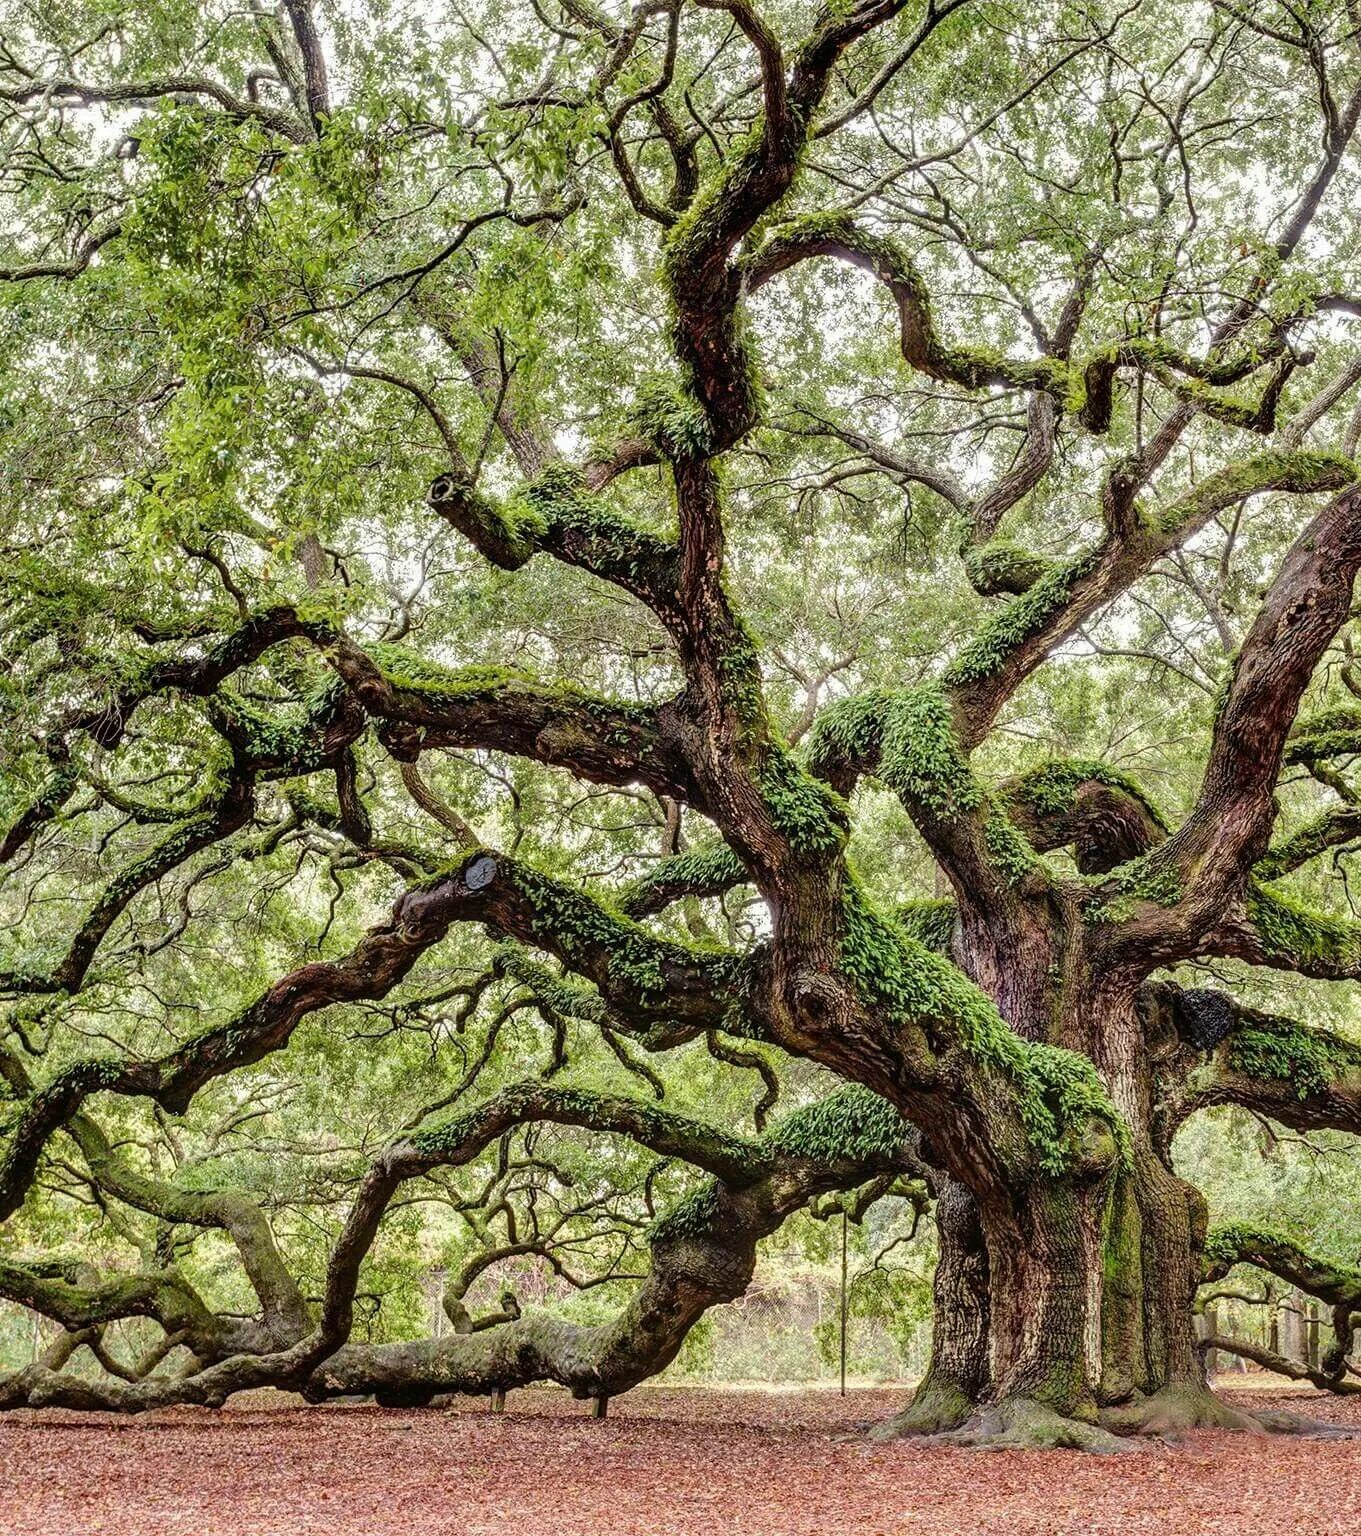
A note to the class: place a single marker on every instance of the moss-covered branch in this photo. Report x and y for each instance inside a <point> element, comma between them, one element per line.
<point>719,400</point>
<point>909,741</point>
<point>703,1252</point>
<point>426,706</point>
<point>1341,824</point>
<point>1337,1285</point>
<point>1330,733</point>
<point>558,514</point>
<point>106,719</point>
<point>1081,388</point>
<point>654,979</point>
<point>1022,632</point>
<point>454,1140</point>
<point>1301,1076</point>
<point>163,1295</point>
<point>698,872</point>
<point>284,1314</point>
<point>703,1249</point>
<point>1240,1243</point>
<point>1273,928</point>
<point>1103,814</point>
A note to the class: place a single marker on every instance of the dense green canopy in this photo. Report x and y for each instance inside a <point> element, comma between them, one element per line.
<point>574,577</point>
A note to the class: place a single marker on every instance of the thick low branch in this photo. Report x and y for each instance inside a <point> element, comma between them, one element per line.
<point>163,1295</point>
<point>703,1253</point>
<point>284,1313</point>
<point>1278,1364</point>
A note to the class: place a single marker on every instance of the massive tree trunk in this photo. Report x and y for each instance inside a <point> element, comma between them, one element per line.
<point>1149,1375</point>
<point>1081,1309</point>
<point>1063,1303</point>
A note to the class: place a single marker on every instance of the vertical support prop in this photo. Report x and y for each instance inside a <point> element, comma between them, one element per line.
<point>844,1222</point>
<point>498,1399</point>
<point>599,1405</point>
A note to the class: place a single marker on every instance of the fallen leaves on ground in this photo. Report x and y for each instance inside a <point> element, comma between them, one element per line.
<point>666,1462</point>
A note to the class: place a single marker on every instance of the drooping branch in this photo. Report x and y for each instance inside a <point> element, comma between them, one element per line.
<point>703,1252</point>
<point>1337,1285</point>
<point>1278,1364</point>
<point>284,1313</point>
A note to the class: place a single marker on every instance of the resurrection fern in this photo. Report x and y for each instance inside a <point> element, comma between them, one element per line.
<point>1307,1059</point>
<point>1058,1092</point>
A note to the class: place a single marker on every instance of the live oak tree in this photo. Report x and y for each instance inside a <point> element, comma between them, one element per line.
<point>453,454</point>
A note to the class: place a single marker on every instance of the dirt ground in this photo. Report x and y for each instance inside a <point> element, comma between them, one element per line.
<point>666,1462</point>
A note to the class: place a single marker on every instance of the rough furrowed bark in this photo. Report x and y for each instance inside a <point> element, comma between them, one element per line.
<point>957,1373</point>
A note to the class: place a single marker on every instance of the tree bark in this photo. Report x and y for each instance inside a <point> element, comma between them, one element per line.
<point>1061,1304</point>
<point>958,1374</point>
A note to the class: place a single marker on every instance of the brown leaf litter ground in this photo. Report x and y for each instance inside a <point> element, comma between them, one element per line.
<point>666,1462</point>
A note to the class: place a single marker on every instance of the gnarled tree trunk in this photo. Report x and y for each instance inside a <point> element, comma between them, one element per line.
<point>1064,1297</point>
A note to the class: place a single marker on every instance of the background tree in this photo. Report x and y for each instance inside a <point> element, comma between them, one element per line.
<point>897,463</point>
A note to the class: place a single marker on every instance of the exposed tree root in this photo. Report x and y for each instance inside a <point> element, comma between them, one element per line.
<point>1281,1421</point>
<point>1177,1410</point>
<point>938,1404</point>
<point>944,1412</point>
<point>1022,1424</point>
